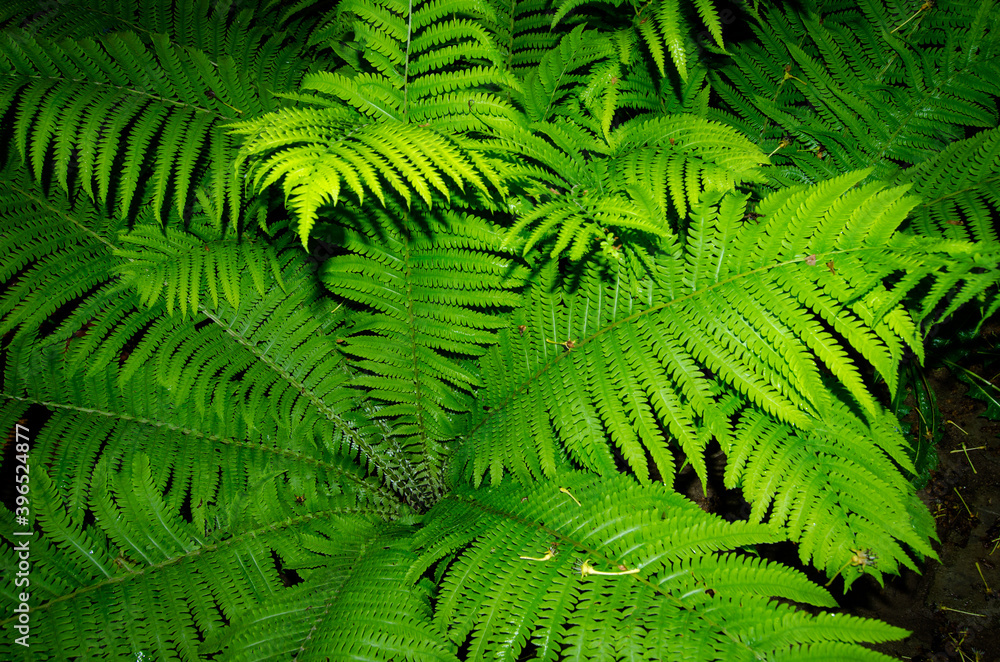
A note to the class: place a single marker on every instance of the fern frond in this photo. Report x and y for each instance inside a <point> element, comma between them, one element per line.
<point>155,584</point>
<point>410,58</point>
<point>832,91</point>
<point>316,154</point>
<point>336,613</point>
<point>521,29</point>
<point>517,566</point>
<point>177,267</point>
<point>688,154</point>
<point>740,314</point>
<point>959,187</point>
<point>126,120</point>
<point>661,26</point>
<point>835,489</point>
<point>45,249</point>
<point>562,70</point>
<point>426,303</point>
<point>266,341</point>
<point>575,192</point>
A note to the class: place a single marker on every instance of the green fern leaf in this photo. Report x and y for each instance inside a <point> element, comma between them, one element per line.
<point>523,572</point>
<point>189,265</point>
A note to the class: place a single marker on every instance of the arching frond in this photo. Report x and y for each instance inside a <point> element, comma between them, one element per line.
<point>128,120</point>
<point>318,153</point>
<point>733,311</point>
<point>519,566</point>
<point>862,87</point>
<point>239,371</point>
<point>348,619</point>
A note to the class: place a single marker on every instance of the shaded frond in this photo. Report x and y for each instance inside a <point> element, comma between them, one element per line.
<point>564,69</point>
<point>660,25</point>
<point>959,187</point>
<point>833,91</point>
<point>336,614</point>
<point>178,267</point>
<point>141,578</point>
<point>419,62</point>
<point>129,121</point>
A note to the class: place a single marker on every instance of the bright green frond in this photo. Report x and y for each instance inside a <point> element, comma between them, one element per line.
<point>550,565</point>
<point>316,154</point>
<point>835,489</point>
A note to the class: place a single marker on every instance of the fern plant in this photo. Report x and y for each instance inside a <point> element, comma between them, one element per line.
<point>432,402</point>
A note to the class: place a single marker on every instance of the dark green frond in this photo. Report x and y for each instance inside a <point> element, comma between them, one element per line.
<point>832,91</point>
<point>336,614</point>
<point>661,26</point>
<point>128,120</point>
<point>165,264</point>
<point>959,187</point>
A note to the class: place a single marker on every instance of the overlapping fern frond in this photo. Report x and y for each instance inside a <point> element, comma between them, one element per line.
<point>959,187</point>
<point>867,86</point>
<point>431,447</point>
<point>732,313</point>
<point>521,30</point>
<point>223,28</point>
<point>178,266</point>
<point>577,188</point>
<point>76,104</point>
<point>523,577</point>
<point>834,489</point>
<point>427,301</point>
<point>725,283</point>
<point>394,117</point>
<point>142,579</point>
<point>318,153</point>
<point>662,26</point>
<point>335,613</point>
